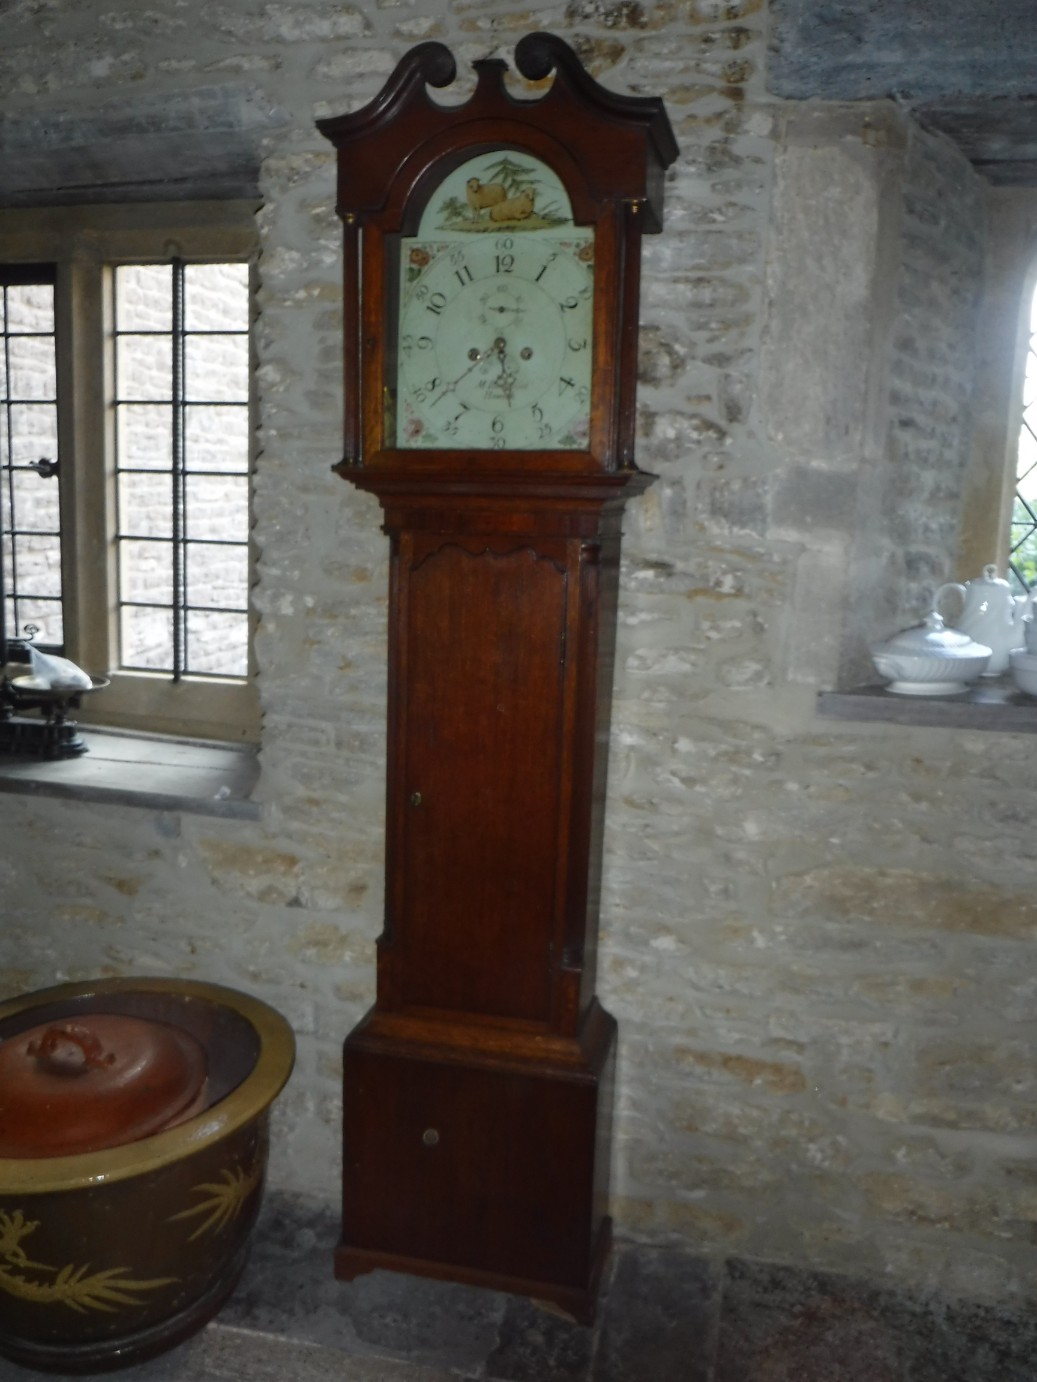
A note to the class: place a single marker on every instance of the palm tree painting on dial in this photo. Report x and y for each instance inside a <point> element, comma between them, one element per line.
<point>494,343</point>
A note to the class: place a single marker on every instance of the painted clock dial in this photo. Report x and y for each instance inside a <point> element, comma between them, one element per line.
<point>494,341</point>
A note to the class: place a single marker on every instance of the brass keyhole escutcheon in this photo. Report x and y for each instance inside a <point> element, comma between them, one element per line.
<point>415,798</point>
<point>430,1137</point>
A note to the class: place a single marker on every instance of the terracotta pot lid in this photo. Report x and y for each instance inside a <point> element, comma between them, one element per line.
<point>97,1081</point>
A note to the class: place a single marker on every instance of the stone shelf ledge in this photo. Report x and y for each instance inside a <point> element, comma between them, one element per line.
<point>996,704</point>
<point>150,771</point>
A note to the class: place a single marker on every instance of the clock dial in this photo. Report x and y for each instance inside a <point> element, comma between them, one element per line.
<point>495,344</point>
<point>495,325</point>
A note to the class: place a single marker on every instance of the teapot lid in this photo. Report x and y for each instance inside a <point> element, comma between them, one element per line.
<point>933,638</point>
<point>100,1080</point>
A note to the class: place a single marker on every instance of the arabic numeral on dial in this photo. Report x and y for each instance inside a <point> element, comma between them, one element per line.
<point>544,429</point>
<point>453,425</point>
<point>408,343</point>
<point>436,303</point>
<point>578,344</point>
<point>497,426</point>
<point>497,443</point>
<point>565,383</point>
<point>505,263</point>
<point>463,275</point>
<point>425,391</point>
<point>547,264</point>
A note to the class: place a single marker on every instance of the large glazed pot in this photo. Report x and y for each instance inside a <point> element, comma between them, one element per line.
<point>108,1257</point>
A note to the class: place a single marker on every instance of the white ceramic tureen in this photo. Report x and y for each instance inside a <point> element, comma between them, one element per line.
<point>930,660</point>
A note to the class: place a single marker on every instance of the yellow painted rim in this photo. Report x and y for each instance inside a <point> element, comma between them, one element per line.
<point>42,1175</point>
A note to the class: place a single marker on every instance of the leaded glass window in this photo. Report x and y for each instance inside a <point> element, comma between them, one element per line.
<point>30,524</point>
<point>1022,561</point>
<point>182,430</point>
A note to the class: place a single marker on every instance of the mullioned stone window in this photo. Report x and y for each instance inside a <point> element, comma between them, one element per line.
<point>126,455</point>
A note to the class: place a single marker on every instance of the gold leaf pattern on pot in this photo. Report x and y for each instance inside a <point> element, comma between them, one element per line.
<point>224,1199</point>
<point>77,1287</point>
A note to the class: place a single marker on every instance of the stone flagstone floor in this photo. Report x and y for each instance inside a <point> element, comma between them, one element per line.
<point>666,1315</point>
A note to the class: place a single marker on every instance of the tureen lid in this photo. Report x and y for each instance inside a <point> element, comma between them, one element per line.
<point>933,639</point>
<point>98,1080</point>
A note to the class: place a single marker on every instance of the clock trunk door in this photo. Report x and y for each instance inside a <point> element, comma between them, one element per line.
<point>482,703</point>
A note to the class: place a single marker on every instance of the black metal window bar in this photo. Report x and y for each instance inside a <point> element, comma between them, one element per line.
<point>1022,559</point>
<point>30,522</point>
<point>182,432</point>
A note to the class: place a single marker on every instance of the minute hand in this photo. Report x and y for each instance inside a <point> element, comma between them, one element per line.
<point>505,381</point>
<point>480,357</point>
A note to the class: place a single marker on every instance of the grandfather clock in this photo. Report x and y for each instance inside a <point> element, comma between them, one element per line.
<point>492,263</point>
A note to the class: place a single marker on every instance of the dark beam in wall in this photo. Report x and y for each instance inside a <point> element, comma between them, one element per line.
<point>924,50</point>
<point>200,144</point>
<point>962,67</point>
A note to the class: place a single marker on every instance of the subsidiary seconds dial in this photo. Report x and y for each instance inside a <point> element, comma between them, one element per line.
<point>494,345</point>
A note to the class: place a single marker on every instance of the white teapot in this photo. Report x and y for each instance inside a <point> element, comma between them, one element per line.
<point>990,614</point>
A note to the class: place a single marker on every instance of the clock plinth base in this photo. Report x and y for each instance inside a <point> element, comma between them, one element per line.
<point>579,1304</point>
<point>478,1160</point>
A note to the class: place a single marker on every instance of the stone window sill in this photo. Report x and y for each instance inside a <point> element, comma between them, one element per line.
<point>995,704</point>
<point>145,770</point>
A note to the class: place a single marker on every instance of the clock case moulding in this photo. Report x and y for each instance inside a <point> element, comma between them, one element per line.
<point>477,1091</point>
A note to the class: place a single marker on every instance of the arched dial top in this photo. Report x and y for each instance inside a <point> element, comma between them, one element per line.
<point>495,322</point>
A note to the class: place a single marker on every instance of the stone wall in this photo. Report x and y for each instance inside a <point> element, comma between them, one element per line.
<point>816,936</point>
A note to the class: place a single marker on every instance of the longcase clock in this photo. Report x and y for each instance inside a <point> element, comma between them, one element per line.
<point>492,262</point>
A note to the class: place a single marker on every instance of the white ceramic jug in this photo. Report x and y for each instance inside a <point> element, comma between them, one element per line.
<point>990,614</point>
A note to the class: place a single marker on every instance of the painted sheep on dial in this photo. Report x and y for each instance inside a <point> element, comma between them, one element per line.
<point>517,208</point>
<point>484,194</point>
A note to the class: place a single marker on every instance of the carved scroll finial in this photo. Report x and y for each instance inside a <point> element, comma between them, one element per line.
<point>537,55</point>
<point>434,61</point>
<point>426,64</point>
